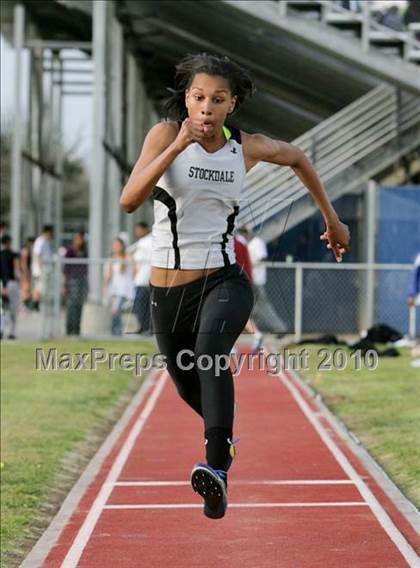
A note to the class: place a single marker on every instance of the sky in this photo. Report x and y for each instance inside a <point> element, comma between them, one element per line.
<point>77,110</point>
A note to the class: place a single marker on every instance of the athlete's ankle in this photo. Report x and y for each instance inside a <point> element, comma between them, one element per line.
<point>220,450</point>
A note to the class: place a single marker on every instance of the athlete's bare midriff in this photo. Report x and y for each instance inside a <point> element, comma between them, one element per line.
<point>176,277</point>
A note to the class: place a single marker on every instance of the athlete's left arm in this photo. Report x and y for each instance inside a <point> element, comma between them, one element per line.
<point>260,148</point>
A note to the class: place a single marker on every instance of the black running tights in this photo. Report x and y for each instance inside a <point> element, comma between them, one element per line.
<point>195,324</point>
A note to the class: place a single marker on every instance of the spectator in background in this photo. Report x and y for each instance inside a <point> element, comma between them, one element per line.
<point>75,283</point>
<point>264,313</point>
<point>393,19</point>
<point>42,257</point>
<point>3,228</point>
<point>140,230</point>
<point>25,272</point>
<point>142,265</point>
<point>242,253</point>
<point>9,276</point>
<point>119,283</point>
<point>413,301</point>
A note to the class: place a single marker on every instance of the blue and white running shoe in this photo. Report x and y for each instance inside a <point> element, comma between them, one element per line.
<point>211,484</point>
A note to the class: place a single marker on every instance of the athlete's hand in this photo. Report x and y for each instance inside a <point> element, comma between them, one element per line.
<point>338,236</point>
<point>190,131</point>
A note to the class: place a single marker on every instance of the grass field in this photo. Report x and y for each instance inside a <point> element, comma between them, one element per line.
<point>380,406</point>
<point>52,423</point>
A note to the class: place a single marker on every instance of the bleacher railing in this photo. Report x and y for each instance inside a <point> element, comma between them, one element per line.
<point>343,140</point>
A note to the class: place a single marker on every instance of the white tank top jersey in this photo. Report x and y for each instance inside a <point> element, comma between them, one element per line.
<point>196,202</point>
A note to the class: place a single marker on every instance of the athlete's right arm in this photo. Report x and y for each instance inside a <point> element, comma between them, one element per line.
<point>161,146</point>
<point>157,154</point>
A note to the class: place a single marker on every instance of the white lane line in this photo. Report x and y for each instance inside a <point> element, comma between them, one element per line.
<point>239,482</point>
<point>240,505</point>
<point>381,515</point>
<point>72,558</point>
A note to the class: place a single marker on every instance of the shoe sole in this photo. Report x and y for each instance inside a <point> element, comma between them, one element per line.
<point>213,491</point>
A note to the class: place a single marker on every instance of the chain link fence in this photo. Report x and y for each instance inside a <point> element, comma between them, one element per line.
<point>323,298</point>
<point>298,298</point>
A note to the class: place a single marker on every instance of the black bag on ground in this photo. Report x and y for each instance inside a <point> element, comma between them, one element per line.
<point>324,339</point>
<point>363,345</point>
<point>382,333</point>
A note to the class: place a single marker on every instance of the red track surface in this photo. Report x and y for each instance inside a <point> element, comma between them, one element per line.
<point>267,525</point>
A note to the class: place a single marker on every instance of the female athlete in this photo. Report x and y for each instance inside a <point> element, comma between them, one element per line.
<point>201,300</point>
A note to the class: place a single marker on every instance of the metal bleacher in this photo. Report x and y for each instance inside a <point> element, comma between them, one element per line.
<point>356,143</point>
<point>347,150</point>
<point>362,24</point>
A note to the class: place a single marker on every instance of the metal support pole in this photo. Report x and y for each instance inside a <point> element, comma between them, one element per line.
<point>365,25</point>
<point>97,195</point>
<point>282,8</point>
<point>140,118</point>
<point>412,325</point>
<point>56,105</point>
<point>114,132</point>
<point>49,146</point>
<point>77,93</point>
<point>37,57</point>
<point>326,9</point>
<point>59,44</point>
<point>132,134</point>
<point>56,301</point>
<point>148,118</point>
<point>16,181</point>
<point>27,198</point>
<point>370,252</point>
<point>298,301</point>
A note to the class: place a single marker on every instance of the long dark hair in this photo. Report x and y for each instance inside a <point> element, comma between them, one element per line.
<point>239,79</point>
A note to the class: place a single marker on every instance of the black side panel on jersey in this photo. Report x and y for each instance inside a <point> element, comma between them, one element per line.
<point>229,229</point>
<point>163,196</point>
